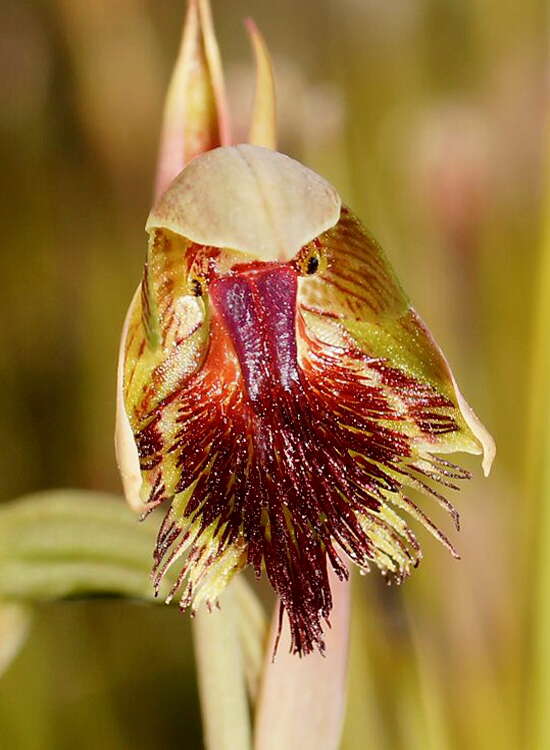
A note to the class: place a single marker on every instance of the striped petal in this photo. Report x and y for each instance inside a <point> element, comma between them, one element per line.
<point>357,288</point>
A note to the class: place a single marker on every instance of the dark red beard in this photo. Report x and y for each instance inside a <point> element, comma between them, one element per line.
<point>287,452</point>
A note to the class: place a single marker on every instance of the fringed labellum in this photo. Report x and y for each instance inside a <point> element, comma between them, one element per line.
<point>278,395</point>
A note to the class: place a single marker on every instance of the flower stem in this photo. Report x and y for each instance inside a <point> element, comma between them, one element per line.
<point>221,676</point>
<point>302,701</point>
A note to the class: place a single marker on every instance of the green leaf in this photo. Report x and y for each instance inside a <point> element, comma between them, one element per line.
<point>77,543</point>
<point>73,543</point>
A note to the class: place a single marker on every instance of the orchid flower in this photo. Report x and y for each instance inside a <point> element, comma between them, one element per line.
<point>277,393</point>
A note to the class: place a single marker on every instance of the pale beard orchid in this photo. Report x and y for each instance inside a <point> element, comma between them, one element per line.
<point>277,392</point>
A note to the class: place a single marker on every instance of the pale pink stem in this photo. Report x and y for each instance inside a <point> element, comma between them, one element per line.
<point>302,701</point>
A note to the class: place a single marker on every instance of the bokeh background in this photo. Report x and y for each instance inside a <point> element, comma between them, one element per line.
<point>428,115</point>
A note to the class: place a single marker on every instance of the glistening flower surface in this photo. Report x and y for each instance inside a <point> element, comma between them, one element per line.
<point>284,397</point>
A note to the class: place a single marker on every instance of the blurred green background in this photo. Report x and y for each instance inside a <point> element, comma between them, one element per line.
<point>428,116</point>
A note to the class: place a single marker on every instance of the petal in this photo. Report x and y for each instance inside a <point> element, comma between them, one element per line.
<point>358,289</point>
<point>263,128</point>
<point>125,445</point>
<point>195,115</point>
<point>248,198</point>
<point>162,339</point>
<point>209,563</point>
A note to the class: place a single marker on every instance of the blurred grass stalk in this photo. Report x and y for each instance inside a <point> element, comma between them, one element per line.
<point>14,626</point>
<point>538,717</point>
